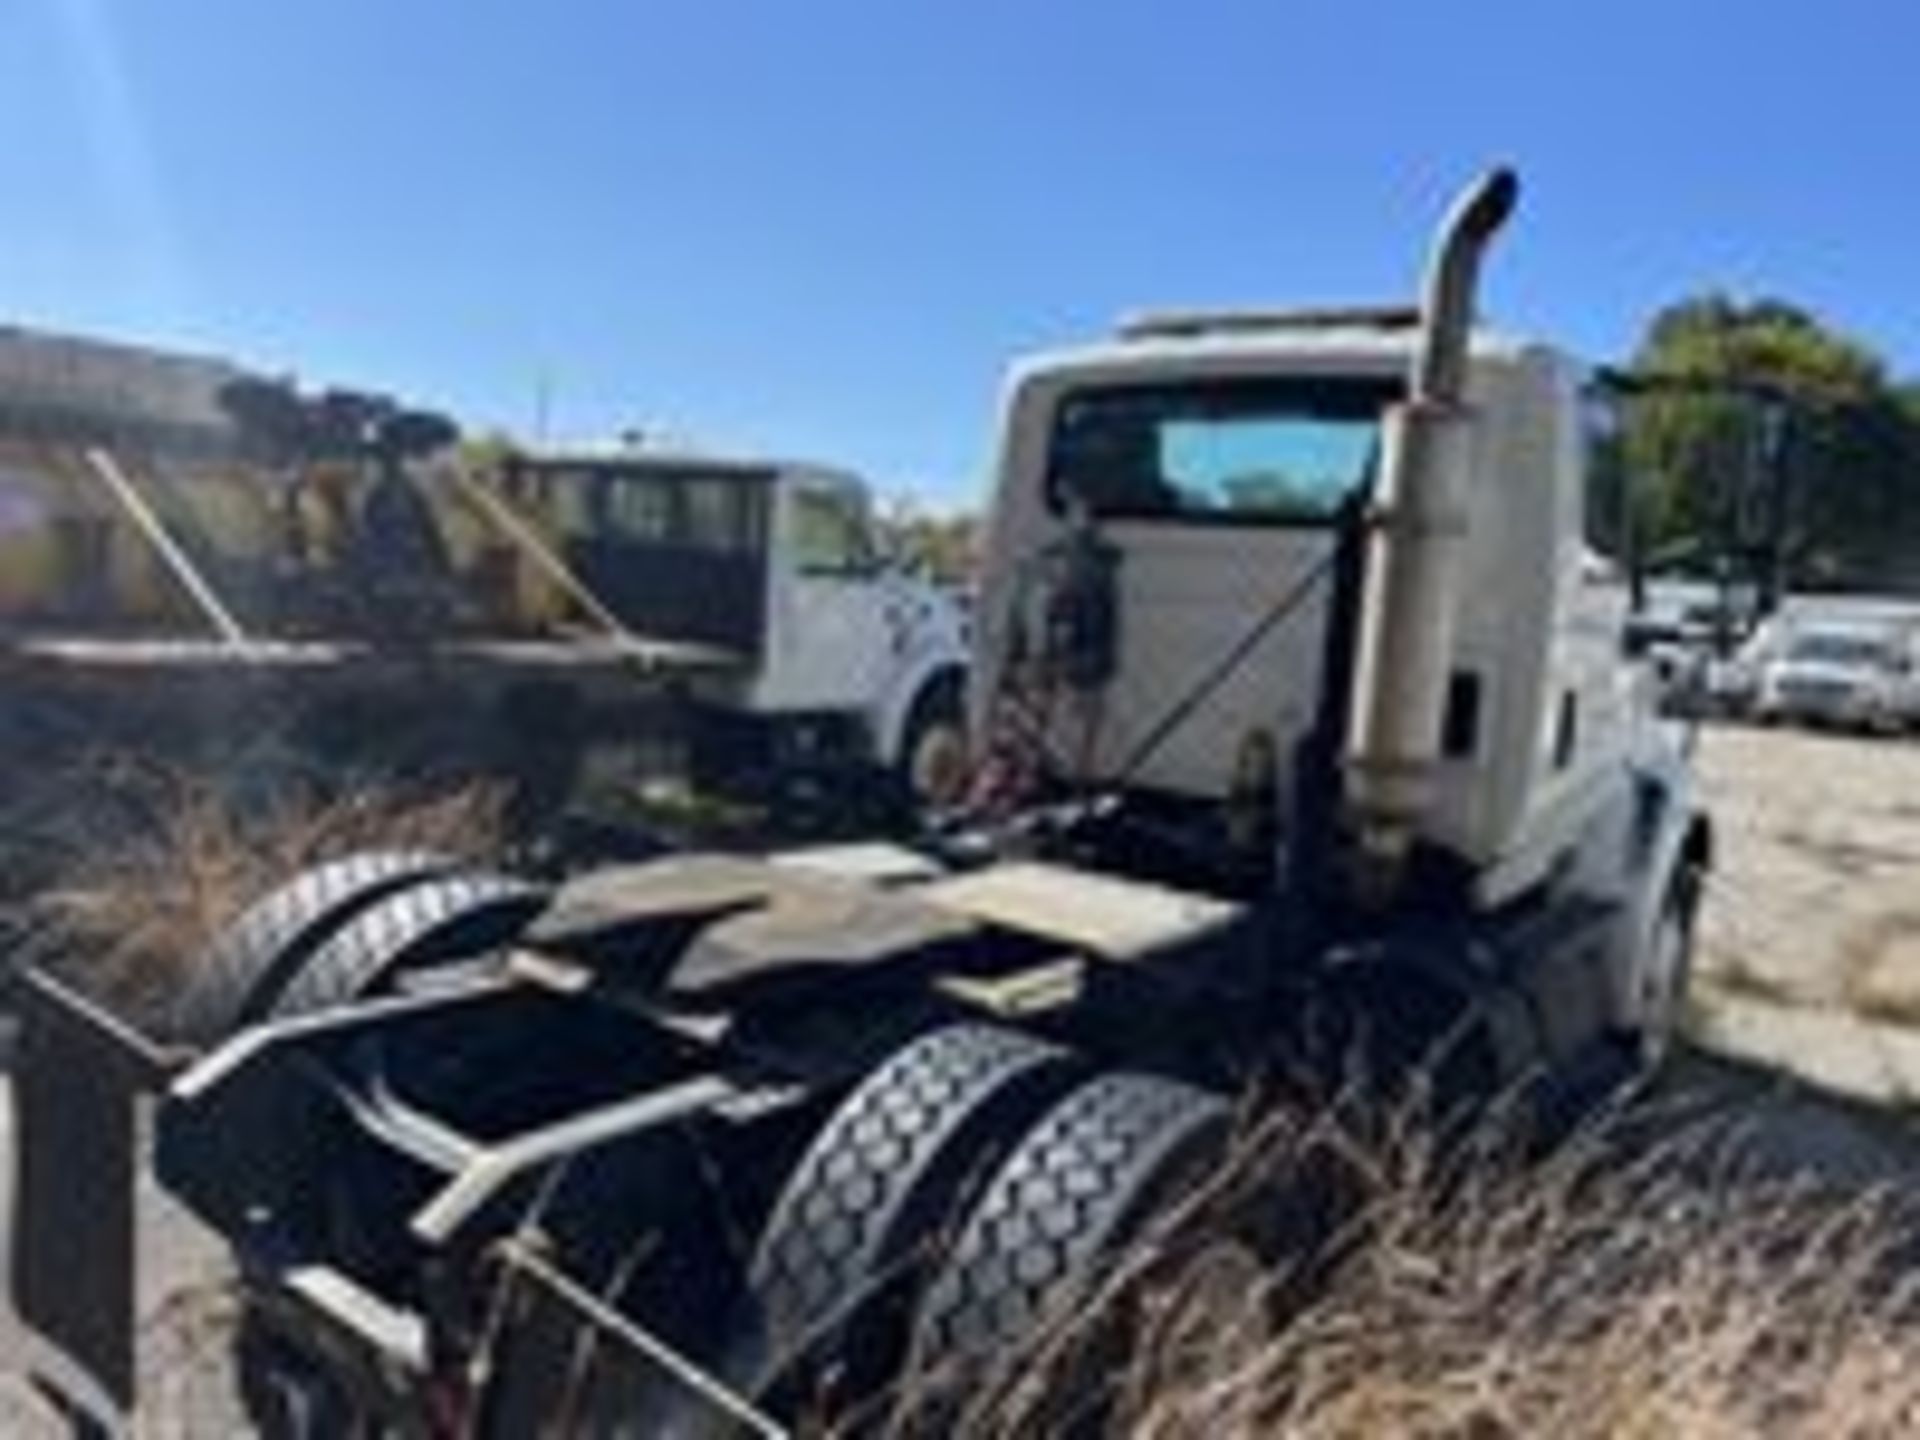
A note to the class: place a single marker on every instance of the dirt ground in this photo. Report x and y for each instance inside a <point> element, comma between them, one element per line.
<point>1810,947</point>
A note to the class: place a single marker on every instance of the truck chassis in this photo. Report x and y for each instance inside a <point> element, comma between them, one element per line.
<point>504,1096</point>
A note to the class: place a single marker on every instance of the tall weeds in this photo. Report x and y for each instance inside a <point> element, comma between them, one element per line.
<point>1619,1289</point>
<point>146,863</point>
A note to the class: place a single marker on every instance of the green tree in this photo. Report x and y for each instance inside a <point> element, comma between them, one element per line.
<point>943,547</point>
<point>1848,439</point>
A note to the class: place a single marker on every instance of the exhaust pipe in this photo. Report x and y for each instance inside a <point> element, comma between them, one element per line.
<point>1418,530</point>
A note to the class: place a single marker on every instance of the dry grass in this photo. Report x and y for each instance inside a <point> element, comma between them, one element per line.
<point>1616,1289</point>
<point>147,863</point>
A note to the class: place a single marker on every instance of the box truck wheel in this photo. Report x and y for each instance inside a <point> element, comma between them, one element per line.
<point>932,760</point>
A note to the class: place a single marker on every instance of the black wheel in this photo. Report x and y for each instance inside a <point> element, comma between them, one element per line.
<point>932,764</point>
<point>444,919</point>
<point>242,974</point>
<point>1081,1184</point>
<point>833,1275</point>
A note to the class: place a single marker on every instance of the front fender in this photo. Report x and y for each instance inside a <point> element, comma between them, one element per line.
<point>1673,834</point>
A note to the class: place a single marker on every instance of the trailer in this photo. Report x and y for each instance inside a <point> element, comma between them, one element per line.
<point>189,607</point>
<point>1308,747</point>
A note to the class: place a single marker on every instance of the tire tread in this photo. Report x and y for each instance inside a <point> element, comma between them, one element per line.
<point>243,972</point>
<point>1079,1185</point>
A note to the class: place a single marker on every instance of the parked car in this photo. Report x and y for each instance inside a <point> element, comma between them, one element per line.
<point>1854,675</point>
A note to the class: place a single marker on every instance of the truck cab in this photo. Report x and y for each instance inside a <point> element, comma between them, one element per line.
<point>778,567</point>
<point>1228,463</point>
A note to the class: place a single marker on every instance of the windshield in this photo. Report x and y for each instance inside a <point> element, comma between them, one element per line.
<point>1251,451</point>
<point>1839,647</point>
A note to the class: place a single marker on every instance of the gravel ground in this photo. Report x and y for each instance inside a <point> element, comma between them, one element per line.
<point>1810,948</point>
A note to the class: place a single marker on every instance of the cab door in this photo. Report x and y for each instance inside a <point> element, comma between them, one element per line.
<point>835,639</point>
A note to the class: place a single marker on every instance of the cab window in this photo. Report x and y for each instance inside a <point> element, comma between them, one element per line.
<point>1288,451</point>
<point>830,534</point>
<point>641,508</point>
<point>724,514</point>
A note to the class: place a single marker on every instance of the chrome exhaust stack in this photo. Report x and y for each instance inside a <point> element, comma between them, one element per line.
<point>1418,532</point>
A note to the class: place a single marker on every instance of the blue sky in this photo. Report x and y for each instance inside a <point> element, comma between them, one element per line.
<point>824,227</point>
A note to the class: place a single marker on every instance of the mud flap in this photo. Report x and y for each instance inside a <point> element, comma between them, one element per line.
<point>79,1079</point>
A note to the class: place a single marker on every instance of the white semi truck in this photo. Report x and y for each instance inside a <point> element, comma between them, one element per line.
<point>1308,746</point>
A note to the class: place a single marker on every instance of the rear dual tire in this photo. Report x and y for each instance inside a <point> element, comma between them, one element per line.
<point>241,975</point>
<point>333,935</point>
<point>846,1248</point>
<point>972,1190</point>
<point>1086,1181</point>
<point>343,930</point>
<point>440,920</point>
